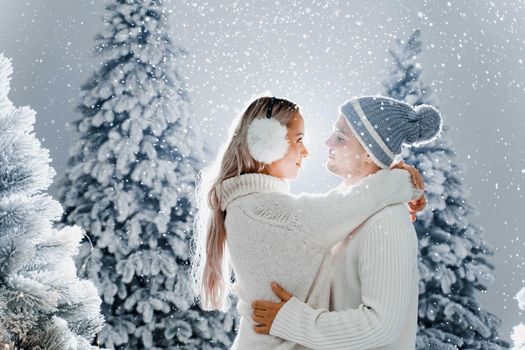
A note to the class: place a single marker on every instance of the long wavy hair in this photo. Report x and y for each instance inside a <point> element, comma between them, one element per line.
<point>211,272</point>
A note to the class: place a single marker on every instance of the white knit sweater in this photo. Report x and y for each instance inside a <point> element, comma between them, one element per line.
<point>275,236</point>
<point>374,291</point>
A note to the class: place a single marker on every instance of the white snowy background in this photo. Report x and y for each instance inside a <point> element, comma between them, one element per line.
<point>316,53</point>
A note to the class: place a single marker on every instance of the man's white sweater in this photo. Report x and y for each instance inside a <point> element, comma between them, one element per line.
<point>374,291</point>
<point>275,236</point>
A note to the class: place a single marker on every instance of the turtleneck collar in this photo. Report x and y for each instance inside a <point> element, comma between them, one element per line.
<point>238,186</point>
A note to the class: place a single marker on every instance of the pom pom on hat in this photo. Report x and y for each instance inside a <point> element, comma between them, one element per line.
<point>267,140</point>
<point>430,123</point>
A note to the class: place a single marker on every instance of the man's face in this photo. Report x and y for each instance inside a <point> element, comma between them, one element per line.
<point>346,155</point>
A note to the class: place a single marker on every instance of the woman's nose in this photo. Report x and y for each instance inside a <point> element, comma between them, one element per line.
<point>304,152</point>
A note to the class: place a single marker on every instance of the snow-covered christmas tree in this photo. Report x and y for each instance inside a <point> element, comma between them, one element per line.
<point>130,183</point>
<point>453,260</point>
<point>43,304</point>
<point>518,331</point>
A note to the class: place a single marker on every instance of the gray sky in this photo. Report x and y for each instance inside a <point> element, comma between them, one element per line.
<point>317,54</point>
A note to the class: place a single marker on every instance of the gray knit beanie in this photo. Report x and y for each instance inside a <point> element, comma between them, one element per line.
<point>383,125</point>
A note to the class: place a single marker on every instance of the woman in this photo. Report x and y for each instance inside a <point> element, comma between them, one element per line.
<point>272,235</point>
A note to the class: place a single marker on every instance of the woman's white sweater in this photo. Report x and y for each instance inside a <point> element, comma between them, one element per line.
<point>275,236</point>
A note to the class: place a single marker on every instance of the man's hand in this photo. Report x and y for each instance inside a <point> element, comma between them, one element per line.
<point>264,312</point>
<point>420,203</point>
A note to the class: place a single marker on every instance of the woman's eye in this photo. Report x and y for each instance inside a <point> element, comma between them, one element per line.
<point>339,139</point>
<point>300,140</point>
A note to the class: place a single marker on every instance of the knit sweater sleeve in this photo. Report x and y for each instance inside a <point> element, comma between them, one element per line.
<point>387,268</point>
<point>325,220</point>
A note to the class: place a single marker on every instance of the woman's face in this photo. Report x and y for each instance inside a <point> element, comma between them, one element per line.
<point>288,167</point>
<point>346,155</point>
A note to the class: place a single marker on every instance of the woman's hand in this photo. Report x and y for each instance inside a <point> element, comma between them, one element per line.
<point>420,203</point>
<point>264,312</point>
<point>416,206</point>
<point>417,179</point>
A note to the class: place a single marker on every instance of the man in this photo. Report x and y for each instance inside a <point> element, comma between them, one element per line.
<point>374,290</point>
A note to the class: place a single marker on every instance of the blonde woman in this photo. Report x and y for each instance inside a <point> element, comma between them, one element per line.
<point>249,222</point>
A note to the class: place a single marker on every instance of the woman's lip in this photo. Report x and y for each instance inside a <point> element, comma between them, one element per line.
<point>331,156</point>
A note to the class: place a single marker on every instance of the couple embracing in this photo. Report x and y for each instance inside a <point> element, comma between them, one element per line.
<point>336,270</point>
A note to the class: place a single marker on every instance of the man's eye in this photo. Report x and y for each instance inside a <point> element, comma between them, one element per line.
<point>339,139</point>
<point>300,140</point>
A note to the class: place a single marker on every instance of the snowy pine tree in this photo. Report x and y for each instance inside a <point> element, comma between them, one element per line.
<point>453,260</point>
<point>518,331</point>
<point>43,304</point>
<point>130,183</point>
<point>518,337</point>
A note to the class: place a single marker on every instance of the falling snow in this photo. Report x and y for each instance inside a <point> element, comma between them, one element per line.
<point>317,54</point>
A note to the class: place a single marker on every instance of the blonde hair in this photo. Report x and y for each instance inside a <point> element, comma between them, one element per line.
<point>211,275</point>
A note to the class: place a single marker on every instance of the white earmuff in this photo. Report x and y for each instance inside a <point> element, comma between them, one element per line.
<point>267,141</point>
